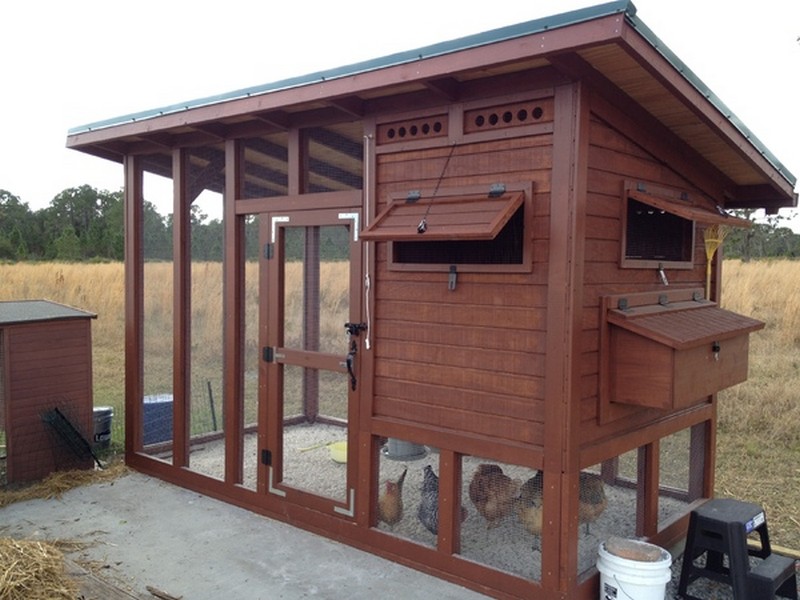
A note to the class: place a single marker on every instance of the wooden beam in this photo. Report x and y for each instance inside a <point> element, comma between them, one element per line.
<point>134,305</point>
<point>181,309</point>
<point>233,324</point>
<point>350,105</point>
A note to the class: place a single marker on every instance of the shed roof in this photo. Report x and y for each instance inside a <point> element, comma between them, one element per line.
<point>28,311</point>
<point>607,43</point>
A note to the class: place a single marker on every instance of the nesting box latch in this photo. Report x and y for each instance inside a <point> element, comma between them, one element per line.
<point>715,348</point>
<point>452,278</point>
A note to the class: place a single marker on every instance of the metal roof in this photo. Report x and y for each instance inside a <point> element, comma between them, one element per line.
<point>669,91</point>
<point>391,60</point>
<point>28,311</point>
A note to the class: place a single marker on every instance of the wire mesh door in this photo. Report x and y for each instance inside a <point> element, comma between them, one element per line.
<point>312,355</point>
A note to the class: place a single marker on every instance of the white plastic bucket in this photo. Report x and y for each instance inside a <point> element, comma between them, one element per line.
<point>628,579</point>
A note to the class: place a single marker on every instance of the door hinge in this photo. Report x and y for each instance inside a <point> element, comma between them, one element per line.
<point>266,457</point>
<point>269,251</point>
<point>268,354</point>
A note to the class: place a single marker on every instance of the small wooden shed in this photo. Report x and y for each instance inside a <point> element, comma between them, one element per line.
<point>45,365</point>
<point>513,228</point>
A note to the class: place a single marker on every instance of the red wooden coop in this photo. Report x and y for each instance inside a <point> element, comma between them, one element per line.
<point>487,251</point>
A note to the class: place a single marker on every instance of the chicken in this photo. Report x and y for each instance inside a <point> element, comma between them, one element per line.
<point>493,493</point>
<point>529,504</point>
<point>592,499</point>
<point>390,501</point>
<point>428,510</point>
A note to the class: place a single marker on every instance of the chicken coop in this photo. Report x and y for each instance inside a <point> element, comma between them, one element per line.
<point>45,388</point>
<point>465,308</point>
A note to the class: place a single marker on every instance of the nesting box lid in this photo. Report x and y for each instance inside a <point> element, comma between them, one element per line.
<point>25,311</point>
<point>682,324</point>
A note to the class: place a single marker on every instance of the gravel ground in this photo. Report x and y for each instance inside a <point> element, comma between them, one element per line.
<point>507,547</point>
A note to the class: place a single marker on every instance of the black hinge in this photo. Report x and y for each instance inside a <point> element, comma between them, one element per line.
<point>269,251</point>
<point>266,457</point>
<point>268,354</point>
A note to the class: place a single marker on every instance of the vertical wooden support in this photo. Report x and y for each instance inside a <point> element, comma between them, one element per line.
<point>565,302</point>
<point>233,261</point>
<point>182,309</point>
<point>647,490</point>
<point>449,541</point>
<point>134,306</point>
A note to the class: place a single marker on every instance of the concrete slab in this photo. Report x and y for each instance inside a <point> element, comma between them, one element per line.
<point>140,531</point>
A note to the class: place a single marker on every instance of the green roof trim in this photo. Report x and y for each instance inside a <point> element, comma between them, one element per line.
<point>471,41</point>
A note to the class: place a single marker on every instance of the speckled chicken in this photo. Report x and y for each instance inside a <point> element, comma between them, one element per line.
<point>428,510</point>
<point>493,493</point>
<point>390,501</point>
<point>529,504</point>
<point>592,499</point>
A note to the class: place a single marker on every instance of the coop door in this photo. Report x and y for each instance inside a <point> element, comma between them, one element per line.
<point>313,342</point>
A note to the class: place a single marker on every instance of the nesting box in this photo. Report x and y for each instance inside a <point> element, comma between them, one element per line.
<point>45,364</point>
<point>669,350</point>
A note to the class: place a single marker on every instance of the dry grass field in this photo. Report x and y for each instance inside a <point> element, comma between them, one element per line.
<point>759,421</point>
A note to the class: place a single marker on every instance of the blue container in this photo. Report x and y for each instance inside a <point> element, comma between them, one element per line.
<point>157,419</point>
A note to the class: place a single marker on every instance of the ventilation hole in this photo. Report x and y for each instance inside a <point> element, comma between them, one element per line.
<point>426,129</point>
<point>480,121</point>
<point>413,130</point>
<point>522,115</point>
<point>437,127</point>
<point>507,116</point>
<point>391,133</point>
<point>402,132</point>
<point>537,112</point>
<point>493,119</point>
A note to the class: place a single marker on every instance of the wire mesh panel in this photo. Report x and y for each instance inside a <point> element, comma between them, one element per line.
<point>158,296</point>
<point>502,519</point>
<point>408,491</point>
<point>606,505</point>
<point>676,467</point>
<point>205,181</point>
<point>252,354</point>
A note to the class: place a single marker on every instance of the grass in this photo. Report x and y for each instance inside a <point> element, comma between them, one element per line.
<point>758,436</point>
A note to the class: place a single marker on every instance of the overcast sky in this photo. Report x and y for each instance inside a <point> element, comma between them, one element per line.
<point>66,64</point>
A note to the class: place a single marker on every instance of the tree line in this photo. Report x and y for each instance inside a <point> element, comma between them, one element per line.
<point>84,223</point>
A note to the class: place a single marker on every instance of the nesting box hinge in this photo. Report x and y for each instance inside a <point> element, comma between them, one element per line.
<point>268,354</point>
<point>663,300</point>
<point>622,304</point>
<point>413,196</point>
<point>496,190</point>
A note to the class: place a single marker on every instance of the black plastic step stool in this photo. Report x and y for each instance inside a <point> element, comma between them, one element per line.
<point>720,528</point>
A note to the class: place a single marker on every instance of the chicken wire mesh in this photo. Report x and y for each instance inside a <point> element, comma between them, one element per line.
<point>496,527</point>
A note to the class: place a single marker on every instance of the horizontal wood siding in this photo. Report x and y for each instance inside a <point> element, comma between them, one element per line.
<point>48,366</point>
<point>614,158</point>
<point>471,360</point>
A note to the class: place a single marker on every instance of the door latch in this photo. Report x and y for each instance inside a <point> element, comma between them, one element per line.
<point>351,359</point>
<point>354,329</point>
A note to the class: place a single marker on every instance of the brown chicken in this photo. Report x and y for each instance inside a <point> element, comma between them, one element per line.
<point>493,493</point>
<point>592,499</point>
<point>529,504</point>
<point>390,501</point>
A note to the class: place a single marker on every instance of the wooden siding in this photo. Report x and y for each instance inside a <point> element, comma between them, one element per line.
<point>613,159</point>
<point>470,360</point>
<point>48,365</point>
